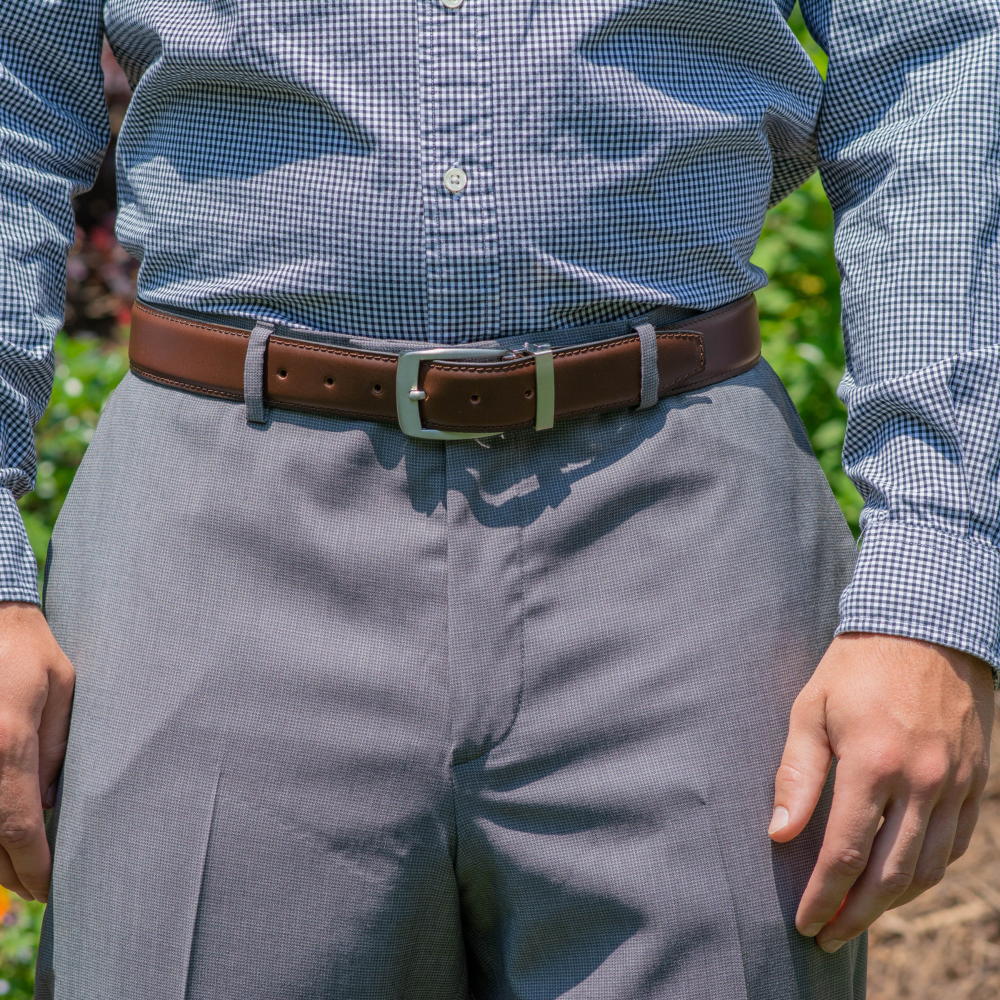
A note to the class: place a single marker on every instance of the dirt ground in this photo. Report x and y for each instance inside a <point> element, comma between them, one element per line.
<point>945,945</point>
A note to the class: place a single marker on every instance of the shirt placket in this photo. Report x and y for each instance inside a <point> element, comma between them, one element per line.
<point>457,167</point>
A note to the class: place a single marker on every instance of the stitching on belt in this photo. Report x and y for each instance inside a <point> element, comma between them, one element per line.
<point>299,345</point>
<point>204,390</point>
<point>728,374</point>
<point>211,327</point>
<point>594,348</point>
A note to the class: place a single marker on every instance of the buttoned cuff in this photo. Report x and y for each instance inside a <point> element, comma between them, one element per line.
<point>18,568</point>
<point>914,581</point>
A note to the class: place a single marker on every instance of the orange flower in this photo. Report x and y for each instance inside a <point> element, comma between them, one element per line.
<point>4,902</point>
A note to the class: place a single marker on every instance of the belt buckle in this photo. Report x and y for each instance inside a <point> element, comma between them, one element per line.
<point>409,394</point>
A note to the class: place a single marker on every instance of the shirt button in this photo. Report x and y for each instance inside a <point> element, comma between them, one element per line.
<point>455,180</point>
<point>452,4</point>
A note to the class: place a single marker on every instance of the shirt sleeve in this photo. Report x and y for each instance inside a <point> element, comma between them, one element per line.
<point>53,132</point>
<point>909,147</point>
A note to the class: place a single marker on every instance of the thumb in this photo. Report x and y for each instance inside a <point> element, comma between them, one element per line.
<point>803,770</point>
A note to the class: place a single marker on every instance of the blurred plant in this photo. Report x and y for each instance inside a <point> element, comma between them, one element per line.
<point>100,281</point>
<point>87,371</point>
<point>20,925</point>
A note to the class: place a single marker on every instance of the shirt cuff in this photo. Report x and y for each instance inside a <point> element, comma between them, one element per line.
<point>914,581</point>
<point>18,568</point>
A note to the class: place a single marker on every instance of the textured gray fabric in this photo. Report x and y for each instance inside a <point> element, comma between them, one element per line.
<point>364,717</point>
<point>253,374</point>
<point>650,371</point>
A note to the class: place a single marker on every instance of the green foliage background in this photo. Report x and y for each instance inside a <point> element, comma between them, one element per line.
<point>799,309</point>
<point>19,930</point>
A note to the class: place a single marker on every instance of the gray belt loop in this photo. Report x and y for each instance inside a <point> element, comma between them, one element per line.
<point>650,372</point>
<point>253,373</point>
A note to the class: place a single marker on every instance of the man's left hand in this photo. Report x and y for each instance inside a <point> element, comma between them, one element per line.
<point>910,724</point>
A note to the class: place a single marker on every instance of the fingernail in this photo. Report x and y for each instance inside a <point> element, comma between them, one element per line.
<point>831,946</point>
<point>811,930</point>
<point>50,797</point>
<point>779,820</point>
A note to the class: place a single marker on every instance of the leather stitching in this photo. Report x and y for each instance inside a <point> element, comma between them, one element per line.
<point>238,398</point>
<point>301,345</point>
<point>701,358</point>
<point>498,368</point>
<point>722,376</point>
<point>211,327</point>
<point>192,386</point>
<point>572,352</point>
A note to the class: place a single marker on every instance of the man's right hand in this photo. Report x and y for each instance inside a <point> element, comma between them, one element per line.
<point>36,691</point>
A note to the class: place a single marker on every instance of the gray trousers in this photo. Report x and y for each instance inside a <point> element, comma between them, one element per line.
<point>363,717</point>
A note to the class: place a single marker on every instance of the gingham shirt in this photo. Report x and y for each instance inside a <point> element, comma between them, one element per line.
<point>285,159</point>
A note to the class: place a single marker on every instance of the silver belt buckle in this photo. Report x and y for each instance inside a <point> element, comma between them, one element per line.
<point>409,394</point>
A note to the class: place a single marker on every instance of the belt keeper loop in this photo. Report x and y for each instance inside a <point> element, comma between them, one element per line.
<point>649,393</point>
<point>545,386</point>
<point>253,373</point>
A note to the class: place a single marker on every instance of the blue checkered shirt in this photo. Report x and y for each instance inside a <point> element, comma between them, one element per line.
<point>285,159</point>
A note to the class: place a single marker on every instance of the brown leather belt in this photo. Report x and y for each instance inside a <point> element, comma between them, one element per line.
<point>440,393</point>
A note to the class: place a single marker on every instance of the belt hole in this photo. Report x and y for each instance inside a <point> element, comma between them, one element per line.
<point>282,373</point>
<point>377,389</point>
<point>475,399</point>
<point>329,380</point>
<point>528,393</point>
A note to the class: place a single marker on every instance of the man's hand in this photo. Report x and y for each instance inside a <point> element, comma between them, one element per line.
<point>36,689</point>
<point>910,724</point>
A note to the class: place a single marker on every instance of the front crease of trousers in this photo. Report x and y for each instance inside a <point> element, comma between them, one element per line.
<point>363,717</point>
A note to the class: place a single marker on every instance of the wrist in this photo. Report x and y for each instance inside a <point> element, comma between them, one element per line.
<point>13,610</point>
<point>969,667</point>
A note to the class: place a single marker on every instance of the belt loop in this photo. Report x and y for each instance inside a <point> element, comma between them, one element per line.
<point>650,376</point>
<point>253,373</point>
<point>545,385</point>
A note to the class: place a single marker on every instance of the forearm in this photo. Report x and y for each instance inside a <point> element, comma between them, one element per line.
<point>908,154</point>
<point>53,131</point>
